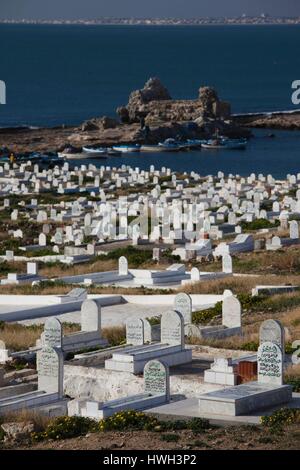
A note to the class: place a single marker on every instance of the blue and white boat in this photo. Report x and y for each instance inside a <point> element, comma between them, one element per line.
<point>127,148</point>
<point>225,144</point>
<point>170,145</point>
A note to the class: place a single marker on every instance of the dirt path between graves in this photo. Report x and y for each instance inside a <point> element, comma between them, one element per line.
<point>234,437</point>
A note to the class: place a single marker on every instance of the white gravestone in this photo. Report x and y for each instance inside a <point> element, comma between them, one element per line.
<point>123,266</point>
<point>52,333</point>
<point>270,363</point>
<point>91,316</point>
<point>231,312</point>
<point>157,379</point>
<point>172,329</point>
<point>50,367</point>
<point>227,264</point>
<point>195,275</point>
<point>294,230</point>
<point>135,331</point>
<point>183,305</point>
<point>271,330</point>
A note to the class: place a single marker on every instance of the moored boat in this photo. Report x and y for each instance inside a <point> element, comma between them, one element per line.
<point>225,144</point>
<point>151,148</point>
<point>127,148</point>
<point>95,150</point>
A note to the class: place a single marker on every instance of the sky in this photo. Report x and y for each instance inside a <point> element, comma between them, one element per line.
<point>74,9</point>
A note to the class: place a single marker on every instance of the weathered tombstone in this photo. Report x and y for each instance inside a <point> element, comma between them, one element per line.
<point>270,363</point>
<point>195,275</point>
<point>42,239</point>
<point>32,268</point>
<point>227,264</point>
<point>50,367</point>
<point>172,329</point>
<point>52,333</point>
<point>135,331</point>
<point>155,254</point>
<point>91,316</point>
<point>157,378</point>
<point>271,330</point>
<point>183,305</point>
<point>231,312</point>
<point>4,353</point>
<point>123,266</point>
<point>294,230</point>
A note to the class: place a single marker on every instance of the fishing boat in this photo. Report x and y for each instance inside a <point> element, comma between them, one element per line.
<point>170,145</point>
<point>151,148</point>
<point>225,144</point>
<point>95,150</point>
<point>127,148</point>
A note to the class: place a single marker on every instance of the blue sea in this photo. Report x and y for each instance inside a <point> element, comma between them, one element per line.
<point>67,74</point>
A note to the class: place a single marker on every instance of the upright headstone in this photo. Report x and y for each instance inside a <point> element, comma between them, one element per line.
<point>50,367</point>
<point>157,379</point>
<point>91,316</point>
<point>52,333</point>
<point>172,329</point>
<point>183,305</point>
<point>195,275</point>
<point>270,354</point>
<point>231,312</point>
<point>294,229</point>
<point>123,266</point>
<point>271,330</point>
<point>135,331</point>
<point>32,268</point>
<point>227,264</point>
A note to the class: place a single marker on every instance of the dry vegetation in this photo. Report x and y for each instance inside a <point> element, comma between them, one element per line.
<point>20,337</point>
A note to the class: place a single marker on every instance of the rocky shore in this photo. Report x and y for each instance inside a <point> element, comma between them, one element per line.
<point>150,109</point>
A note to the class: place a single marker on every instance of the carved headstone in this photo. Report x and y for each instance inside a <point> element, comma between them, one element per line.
<point>183,305</point>
<point>135,331</point>
<point>50,363</point>
<point>172,329</point>
<point>156,378</point>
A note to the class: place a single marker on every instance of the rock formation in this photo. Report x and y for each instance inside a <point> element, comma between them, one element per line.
<point>154,103</point>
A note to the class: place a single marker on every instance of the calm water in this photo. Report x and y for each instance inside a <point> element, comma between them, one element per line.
<point>66,74</point>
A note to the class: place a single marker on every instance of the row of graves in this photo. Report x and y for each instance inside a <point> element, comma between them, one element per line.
<point>152,351</point>
<point>188,214</point>
<point>174,275</point>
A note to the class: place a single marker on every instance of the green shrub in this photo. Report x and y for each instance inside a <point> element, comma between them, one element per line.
<point>204,316</point>
<point>134,256</point>
<point>294,381</point>
<point>250,346</point>
<point>65,427</point>
<point>259,224</point>
<point>129,419</point>
<point>154,320</point>
<point>198,425</point>
<point>284,416</point>
<point>170,437</point>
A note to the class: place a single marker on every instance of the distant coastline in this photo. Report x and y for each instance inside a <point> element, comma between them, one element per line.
<point>263,20</point>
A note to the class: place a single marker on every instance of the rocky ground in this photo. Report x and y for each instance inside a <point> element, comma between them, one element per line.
<point>231,438</point>
<point>281,121</point>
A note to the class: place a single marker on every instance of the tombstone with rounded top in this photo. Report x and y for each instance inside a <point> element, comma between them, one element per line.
<point>156,378</point>
<point>227,264</point>
<point>272,330</point>
<point>231,312</point>
<point>183,305</point>
<point>50,364</point>
<point>52,335</point>
<point>91,315</point>
<point>195,274</point>
<point>135,331</point>
<point>172,329</point>
<point>294,230</point>
<point>270,363</point>
<point>123,266</point>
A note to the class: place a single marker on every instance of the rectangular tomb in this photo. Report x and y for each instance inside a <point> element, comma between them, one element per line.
<point>244,399</point>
